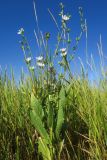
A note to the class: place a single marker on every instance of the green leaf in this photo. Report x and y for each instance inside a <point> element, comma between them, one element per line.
<point>36,121</point>
<point>36,105</point>
<point>60,116</point>
<point>36,118</point>
<point>50,115</point>
<point>43,149</point>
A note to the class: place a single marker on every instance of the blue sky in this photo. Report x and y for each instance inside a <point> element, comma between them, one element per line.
<point>15,14</point>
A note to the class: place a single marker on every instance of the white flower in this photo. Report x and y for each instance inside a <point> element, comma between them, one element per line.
<point>40,58</point>
<point>20,31</point>
<point>40,64</point>
<point>63,52</point>
<point>65,17</point>
<point>32,68</point>
<point>28,60</point>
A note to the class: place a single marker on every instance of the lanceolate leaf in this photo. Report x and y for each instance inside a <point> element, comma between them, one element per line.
<point>43,149</point>
<point>36,121</point>
<point>50,115</point>
<point>36,118</point>
<point>35,105</point>
<point>60,116</point>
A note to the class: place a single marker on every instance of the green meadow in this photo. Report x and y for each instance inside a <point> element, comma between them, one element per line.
<point>53,113</point>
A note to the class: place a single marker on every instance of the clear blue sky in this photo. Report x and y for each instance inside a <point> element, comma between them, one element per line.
<point>19,13</point>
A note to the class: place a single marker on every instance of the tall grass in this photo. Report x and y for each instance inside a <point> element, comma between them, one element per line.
<point>53,115</point>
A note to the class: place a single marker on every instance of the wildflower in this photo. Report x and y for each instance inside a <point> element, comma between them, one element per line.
<point>40,58</point>
<point>63,52</point>
<point>40,64</point>
<point>65,17</point>
<point>32,68</point>
<point>28,60</point>
<point>20,31</point>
